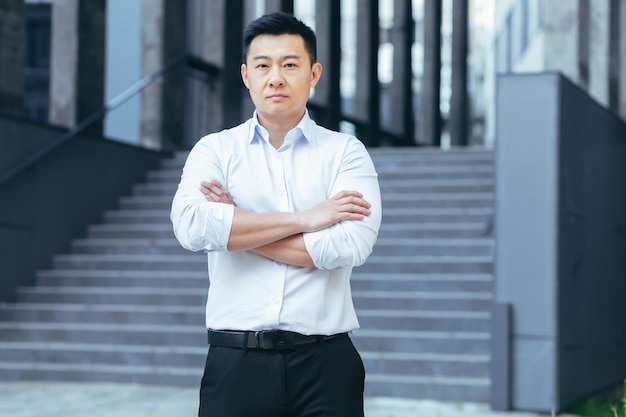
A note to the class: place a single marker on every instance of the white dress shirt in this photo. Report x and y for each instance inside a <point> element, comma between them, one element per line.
<point>248,291</point>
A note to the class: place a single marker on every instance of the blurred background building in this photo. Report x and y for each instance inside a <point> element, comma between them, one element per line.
<point>387,63</point>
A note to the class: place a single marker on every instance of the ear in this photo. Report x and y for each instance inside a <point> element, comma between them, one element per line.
<point>316,73</point>
<point>244,75</point>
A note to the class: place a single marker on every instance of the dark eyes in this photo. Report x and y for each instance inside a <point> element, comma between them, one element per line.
<point>287,65</point>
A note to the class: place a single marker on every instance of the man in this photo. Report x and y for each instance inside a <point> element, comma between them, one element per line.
<point>285,209</point>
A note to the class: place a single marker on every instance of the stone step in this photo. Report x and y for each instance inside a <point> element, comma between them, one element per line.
<point>395,230</point>
<point>422,300</point>
<point>432,363</point>
<point>104,353</point>
<point>412,184</point>
<point>396,155</point>
<point>390,200</point>
<point>385,171</point>
<point>104,333</point>
<point>467,321</point>
<point>390,215</point>
<point>147,262</point>
<point>103,313</point>
<point>128,246</point>
<point>120,334</point>
<point>377,340</point>
<point>364,280</point>
<point>187,358</point>
<point>361,280</point>
<point>433,387</point>
<point>428,264</point>
<point>431,300</point>
<point>475,321</point>
<point>113,295</point>
<point>197,262</point>
<point>126,278</point>
<point>432,246</point>
<point>384,246</point>
<point>127,373</point>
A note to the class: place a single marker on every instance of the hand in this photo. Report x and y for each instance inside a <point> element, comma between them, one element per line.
<point>216,192</point>
<point>345,205</point>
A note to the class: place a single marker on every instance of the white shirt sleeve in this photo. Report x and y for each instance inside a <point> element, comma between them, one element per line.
<point>349,243</point>
<point>200,224</point>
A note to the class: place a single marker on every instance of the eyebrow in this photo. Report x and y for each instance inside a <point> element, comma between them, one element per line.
<point>259,57</point>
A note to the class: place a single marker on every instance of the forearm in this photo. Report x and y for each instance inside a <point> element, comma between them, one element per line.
<point>255,230</point>
<point>290,250</point>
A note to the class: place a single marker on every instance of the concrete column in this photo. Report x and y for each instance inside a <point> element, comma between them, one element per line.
<point>77,62</point>
<point>459,101</point>
<point>400,90</point>
<point>276,5</point>
<point>322,31</point>
<point>430,132</point>
<point>232,36</point>
<point>11,55</point>
<point>152,97</point>
<point>205,112</point>
<point>599,51</point>
<point>614,54</point>
<point>164,37</point>
<point>561,37</point>
<point>328,31</point>
<point>622,61</point>
<point>361,94</point>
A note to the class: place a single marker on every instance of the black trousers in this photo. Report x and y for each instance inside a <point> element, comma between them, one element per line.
<point>320,379</point>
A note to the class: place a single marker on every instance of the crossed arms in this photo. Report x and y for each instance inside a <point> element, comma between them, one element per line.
<point>279,236</point>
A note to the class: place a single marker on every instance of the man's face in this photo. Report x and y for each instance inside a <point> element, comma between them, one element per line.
<point>279,75</point>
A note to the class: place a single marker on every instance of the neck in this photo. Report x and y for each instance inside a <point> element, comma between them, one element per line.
<point>278,128</point>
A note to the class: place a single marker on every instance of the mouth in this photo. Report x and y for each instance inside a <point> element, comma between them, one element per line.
<point>277,97</point>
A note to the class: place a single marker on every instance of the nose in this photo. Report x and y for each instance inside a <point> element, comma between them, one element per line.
<point>276,78</point>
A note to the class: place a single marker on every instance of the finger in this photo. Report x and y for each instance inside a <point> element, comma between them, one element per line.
<point>347,193</point>
<point>356,201</point>
<point>356,209</point>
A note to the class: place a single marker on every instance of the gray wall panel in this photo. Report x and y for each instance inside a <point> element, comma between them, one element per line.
<point>560,239</point>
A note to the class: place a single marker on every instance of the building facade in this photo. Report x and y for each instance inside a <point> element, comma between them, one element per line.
<point>392,66</point>
<point>584,40</point>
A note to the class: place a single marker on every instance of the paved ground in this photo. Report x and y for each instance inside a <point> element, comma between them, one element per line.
<point>19,399</point>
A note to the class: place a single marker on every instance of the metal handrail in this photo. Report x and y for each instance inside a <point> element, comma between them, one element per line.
<point>184,57</point>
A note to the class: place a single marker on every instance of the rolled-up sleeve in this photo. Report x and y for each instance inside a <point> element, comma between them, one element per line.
<point>349,243</point>
<point>199,224</point>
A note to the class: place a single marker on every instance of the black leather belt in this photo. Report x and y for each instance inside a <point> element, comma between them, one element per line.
<point>266,339</point>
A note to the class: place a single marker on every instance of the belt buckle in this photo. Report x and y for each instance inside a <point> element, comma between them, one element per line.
<point>273,339</point>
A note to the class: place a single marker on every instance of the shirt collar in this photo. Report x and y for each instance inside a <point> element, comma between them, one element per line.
<point>304,128</point>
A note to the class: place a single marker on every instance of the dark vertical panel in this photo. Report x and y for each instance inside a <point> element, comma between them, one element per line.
<point>12,36</point>
<point>233,86</point>
<point>459,101</point>
<point>373,134</point>
<point>407,98</point>
<point>431,115</point>
<point>614,53</point>
<point>583,41</point>
<point>173,104</point>
<point>500,357</point>
<point>333,114</point>
<point>91,52</point>
<point>286,6</point>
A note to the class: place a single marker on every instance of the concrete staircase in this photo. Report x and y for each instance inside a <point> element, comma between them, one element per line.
<point>127,304</point>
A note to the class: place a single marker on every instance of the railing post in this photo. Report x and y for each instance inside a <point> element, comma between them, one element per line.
<point>501,356</point>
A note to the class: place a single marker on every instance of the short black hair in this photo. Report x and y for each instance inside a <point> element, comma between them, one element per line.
<point>280,23</point>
